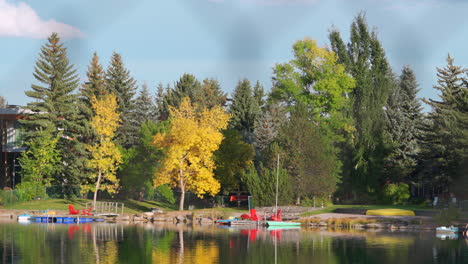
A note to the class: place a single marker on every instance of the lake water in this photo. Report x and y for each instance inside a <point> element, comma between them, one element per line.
<point>150,243</point>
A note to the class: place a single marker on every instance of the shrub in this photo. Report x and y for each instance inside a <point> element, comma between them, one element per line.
<point>446,216</point>
<point>309,202</point>
<point>27,191</point>
<point>163,191</point>
<point>397,193</point>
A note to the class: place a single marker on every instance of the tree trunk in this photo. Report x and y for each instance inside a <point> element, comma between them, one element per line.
<point>98,183</point>
<point>182,190</point>
<point>298,200</point>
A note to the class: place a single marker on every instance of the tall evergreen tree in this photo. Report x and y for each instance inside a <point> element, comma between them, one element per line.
<point>310,156</point>
<point>259,94</point>
<point>144,110</point>
<point>159,102</point>
<point>56,108</point>
<point>186,86</point>
<point>120,83</point>
<point>94,86</point>
<point>404,117</point>
<point>366,62</point>
<point>268,125</point>
<point>211,94</point>
<point>446,136</point>
<point>244,110</point>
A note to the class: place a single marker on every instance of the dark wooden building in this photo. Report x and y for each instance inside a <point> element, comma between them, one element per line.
<point>11,145</point>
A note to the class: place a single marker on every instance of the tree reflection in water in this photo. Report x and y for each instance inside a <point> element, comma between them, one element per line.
<point>148,243</point>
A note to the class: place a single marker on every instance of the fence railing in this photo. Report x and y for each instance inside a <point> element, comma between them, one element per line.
<point>106,208</point>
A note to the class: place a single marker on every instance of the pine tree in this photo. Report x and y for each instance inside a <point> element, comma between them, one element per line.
<point>259,93</point>
<point>269,122</point>
<point>404,120</point>
<point>446,136</point>
<point>57,109</point>
<point>186,86</point>
<point>211,94</point>
<point>366,62</point>
<point>144,111</point>
<point>244,110</point>
<point>159,102</point>
<point>94,86</point>
<point>120,82</point>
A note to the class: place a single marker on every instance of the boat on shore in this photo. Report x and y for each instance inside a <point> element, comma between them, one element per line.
<point>25,218</point>
<point>450,229</point>
<point>282,223</point>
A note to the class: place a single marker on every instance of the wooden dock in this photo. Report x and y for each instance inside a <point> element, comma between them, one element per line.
<point>66,219</point>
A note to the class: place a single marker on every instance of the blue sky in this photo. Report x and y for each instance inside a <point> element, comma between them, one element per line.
<point>224,39</point>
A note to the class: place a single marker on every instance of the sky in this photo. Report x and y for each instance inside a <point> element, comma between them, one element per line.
<point>223,39</point>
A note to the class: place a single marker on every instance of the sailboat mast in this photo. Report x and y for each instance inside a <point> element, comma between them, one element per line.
<point>277,176</point>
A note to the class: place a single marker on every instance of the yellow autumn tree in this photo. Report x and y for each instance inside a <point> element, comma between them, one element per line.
<point>189,145</point>
<point>105,156</point>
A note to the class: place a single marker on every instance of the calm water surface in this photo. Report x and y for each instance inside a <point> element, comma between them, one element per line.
<point>148,243</point>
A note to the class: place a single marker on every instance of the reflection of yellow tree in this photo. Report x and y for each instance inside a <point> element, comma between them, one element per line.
<point>201,253</point>
<point>108,252</point>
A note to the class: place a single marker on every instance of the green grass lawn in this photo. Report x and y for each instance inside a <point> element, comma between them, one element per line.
<point>131,206</point>
<point>331,209</point>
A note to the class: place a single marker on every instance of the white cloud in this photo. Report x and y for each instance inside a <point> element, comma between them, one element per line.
<point>20,20</point>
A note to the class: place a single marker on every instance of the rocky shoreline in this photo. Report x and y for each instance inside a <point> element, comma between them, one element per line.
<point>326,220</point>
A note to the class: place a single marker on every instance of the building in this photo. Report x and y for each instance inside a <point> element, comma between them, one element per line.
<point>11,144</point>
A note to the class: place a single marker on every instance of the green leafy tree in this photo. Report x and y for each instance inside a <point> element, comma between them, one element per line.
<point>121,83</point>
<point>139,166</point>
<point>39,163</point>
<point>244,109</point>
<point>232,158</point>
<point>55,108</point>
<point>315,79</point>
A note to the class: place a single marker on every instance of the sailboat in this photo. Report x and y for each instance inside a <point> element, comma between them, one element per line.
<point>278,222</point>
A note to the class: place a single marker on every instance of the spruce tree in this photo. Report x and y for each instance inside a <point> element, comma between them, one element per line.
<point>159,102</point>
<point>120,82</point>
<point>211,94</point>
<point>367,63</point>
<point>404,121</point>
<point>57,109</point>
<point>94,86</point>
<point>445,141</point>
<point>259,93</point>
<point>144,110</point>
<point>244,110</point>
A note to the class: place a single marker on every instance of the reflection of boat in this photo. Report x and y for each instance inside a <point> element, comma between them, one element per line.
<point>283,227</point>
<point>25,218</point>
<point>450,229</point>
<point>282,223</point>
<point>444,236</point>
<point>232,222</point>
